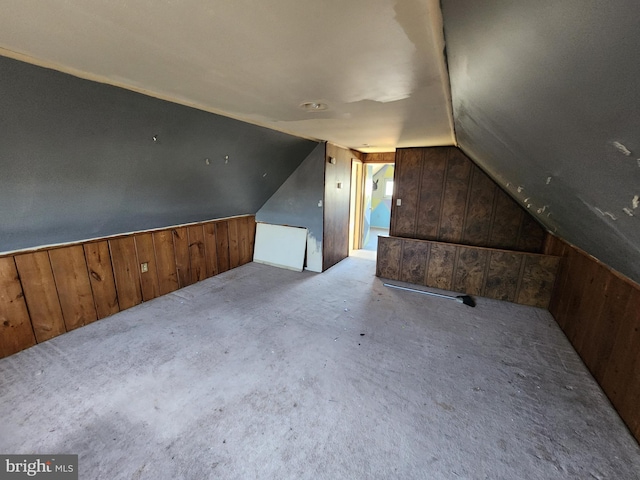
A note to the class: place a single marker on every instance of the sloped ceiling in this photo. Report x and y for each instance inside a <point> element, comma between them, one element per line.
<point>376,64</point>
<point>546,99</point>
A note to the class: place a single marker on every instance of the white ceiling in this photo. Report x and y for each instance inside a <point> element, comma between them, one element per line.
<point>377,64</point>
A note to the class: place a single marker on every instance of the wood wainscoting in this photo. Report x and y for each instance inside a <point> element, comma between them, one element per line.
<point>519,277</point>
<point>50,291</point>
<point>599,311</point>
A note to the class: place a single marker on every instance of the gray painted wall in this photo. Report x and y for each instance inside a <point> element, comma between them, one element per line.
<point>78,160</point>
<point>296,204</point>
<point>545,99</point>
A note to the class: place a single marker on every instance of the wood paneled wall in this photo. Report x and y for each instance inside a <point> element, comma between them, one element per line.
<point>48,292</point>
<point>335,241</point>
<point>446,197</point>
<point>599,311</point>
<point>520,277</point>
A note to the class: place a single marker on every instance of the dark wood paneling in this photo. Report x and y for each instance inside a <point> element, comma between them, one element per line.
<point>389,257</point>
<point>41,295</point>
<point>414,262</point>
<point>73,286</point>
<point>211,249</point>
<point>502,277</point>
<point>477,224</point>
<point>522,277</point>
<point>572,312</point>
<point>599,311</point>
<point>146,254</point>
<point>103,285</point>
<point>455,197</point>
<point>538,277</point>
<point>165,262</point>
<point>335,235</point>
<point>621,373</point>
<point>16,332</point>
<point>181,249</point>
<point>441,262</point>
<point>446,197</point>
<point>531,235</point>
<point>607,327</point>
<point>507,218</point>
<point>431,193</point>
<point>469,270</point>
<point>594,286</point>
<point>222,245</point>
<point>125,271</point>
<point>406,189</point>
<point>197,255</point>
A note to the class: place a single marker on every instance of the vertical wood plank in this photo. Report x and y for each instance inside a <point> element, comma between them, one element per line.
<point>455,197</point>
<point>502,277</point>
<point>595,285</point>
<point>406,188</point>
<point>181,249</point>
<point>197,256</point>
<point>479,214</point>
<point>16,332</point>
<point>572,311</point>
<point>165,262</point>
<point>506,222</point>
<point>211,249</point>
<point>244,240</point>
<point>431,190</point>
<point>222,244</point>
<point>389,257</point>
<point>537,280</point>
<point>557,248</point>
<point>414,261</point>
<point>470,270</point>
<point>609,324</point>
<point>621,379</point>
<point>532,235</point>
<point>146,254</point>
<point>564,286</point>
<point>252,236</point>
<point>234,247</point>
<point>125,271</point>
<point>41,295</point>
<point>73,285</point>
<point>440,268</point>
<point>101,277</point>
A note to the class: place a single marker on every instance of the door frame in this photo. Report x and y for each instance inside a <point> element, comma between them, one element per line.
<point>356,212</point>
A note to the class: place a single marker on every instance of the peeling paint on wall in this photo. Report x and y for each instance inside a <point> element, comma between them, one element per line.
<point>622,149</point>
<point>606,214</point>
<point>628,211</point>
<point>635,202</point>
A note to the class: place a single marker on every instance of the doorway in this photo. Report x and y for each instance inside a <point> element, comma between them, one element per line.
<point>372,189</point>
